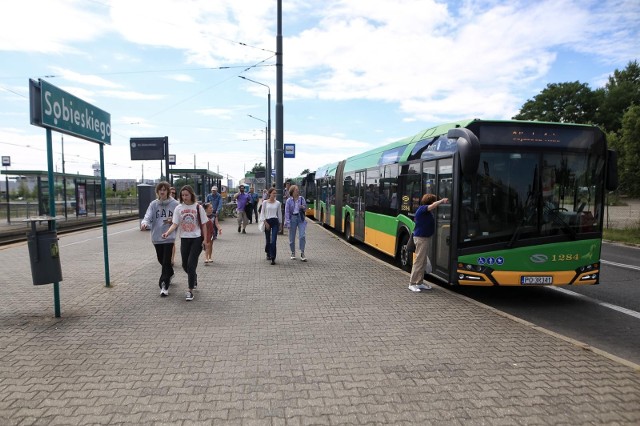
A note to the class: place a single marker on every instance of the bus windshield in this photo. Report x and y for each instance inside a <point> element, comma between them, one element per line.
<point>518,195</point>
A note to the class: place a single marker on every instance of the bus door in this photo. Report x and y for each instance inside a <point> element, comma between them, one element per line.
<point>442,243</point>
<point>359,206</point>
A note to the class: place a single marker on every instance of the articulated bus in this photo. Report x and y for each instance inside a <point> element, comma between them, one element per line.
<point>526,200</point>
<point>307,187</point>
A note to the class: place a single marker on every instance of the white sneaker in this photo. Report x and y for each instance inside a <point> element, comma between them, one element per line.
<point>293,255</point>
<point>164,291</point>
<point>424,287</point>
<point>414,287</point>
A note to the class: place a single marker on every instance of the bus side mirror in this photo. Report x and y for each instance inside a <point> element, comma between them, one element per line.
<point>612,170</point>
<point>468,149</point>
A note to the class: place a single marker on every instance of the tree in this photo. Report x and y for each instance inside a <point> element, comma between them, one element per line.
<point>621,91</point>
<point>258,167</point>
<point>628,170</point>
<point>562,102</point>
<point>305,171</point>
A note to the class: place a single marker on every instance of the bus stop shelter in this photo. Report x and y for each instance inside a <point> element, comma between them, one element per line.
<point>203,180</point>
<point>75,193</point>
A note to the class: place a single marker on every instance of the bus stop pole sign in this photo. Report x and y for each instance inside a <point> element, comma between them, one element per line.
<point>289,150</point>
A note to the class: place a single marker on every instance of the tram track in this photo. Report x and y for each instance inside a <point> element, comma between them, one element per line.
<point>9,235</point>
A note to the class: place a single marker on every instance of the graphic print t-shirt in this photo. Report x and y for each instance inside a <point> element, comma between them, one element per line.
<point>186,216</point>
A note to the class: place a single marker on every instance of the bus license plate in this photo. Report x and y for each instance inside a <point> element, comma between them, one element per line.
<point>536,280</point>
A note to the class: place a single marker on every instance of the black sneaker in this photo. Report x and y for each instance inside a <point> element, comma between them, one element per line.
<point>189,296</point>
<point>273,261</point>
<point>239,228</point>
<point>244,231</point>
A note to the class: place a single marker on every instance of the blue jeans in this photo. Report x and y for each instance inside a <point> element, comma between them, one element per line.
<point>271,236</point>
<point>297,224</point>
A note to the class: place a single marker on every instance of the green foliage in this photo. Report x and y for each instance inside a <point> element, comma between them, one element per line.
<point>179,183</point>
<point>626,236</point>
<point>621,91</point>
<point>629,145</point>
<point>304,172</point>
<point>614,108</point>
<point>562,102</point>
<point>257,167</point>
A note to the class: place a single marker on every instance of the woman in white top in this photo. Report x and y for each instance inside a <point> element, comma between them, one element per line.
<point>270,219</point>
<point>192,219</point>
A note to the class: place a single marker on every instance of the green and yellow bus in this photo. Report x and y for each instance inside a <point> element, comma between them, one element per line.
<point>526,200</point>
<point>307,187</point>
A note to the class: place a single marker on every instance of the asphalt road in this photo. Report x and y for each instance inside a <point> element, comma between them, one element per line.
<point>606,316</point>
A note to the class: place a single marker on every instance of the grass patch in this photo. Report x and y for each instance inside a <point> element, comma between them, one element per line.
<point>626,236</point>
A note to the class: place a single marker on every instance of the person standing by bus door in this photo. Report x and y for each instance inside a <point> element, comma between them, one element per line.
<point>424,229</point>
<point>158,218</point>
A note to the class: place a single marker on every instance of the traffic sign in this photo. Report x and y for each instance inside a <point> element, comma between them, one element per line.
<point>289,150</point>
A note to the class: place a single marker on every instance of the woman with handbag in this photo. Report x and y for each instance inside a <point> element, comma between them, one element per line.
<point>295,210</point>
<point>270,220</point>
<point>424,229</point>
<point>192,219</point>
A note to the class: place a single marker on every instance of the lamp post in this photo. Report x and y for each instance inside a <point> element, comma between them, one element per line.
<point>268,156</point>
<point>266,148</point>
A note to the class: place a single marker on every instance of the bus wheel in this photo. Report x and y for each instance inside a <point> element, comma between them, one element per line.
<point>347,231</point>
<point>404,258</point>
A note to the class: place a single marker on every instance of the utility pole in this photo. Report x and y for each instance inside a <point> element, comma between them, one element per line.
<point>279,152</point>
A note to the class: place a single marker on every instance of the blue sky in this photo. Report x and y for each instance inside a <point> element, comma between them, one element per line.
<point>357,74</point>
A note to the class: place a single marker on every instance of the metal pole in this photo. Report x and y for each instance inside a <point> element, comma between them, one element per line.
<point>266,157</point>
<point>6,180</point>
<point>52,214</point>
<point>104,218</point>
<point>64,180</point>
<point>268,165</point>
<point>279,108</point>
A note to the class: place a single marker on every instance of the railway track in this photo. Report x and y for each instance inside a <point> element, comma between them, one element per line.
<point>10,235</point>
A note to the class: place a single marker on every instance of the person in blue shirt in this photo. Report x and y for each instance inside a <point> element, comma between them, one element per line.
<point>216,203</point>
<point>424,229</point>
<point>242,199</point>
<point>254,205</point>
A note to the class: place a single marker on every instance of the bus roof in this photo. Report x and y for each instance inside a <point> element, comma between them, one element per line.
<point>372,157</point>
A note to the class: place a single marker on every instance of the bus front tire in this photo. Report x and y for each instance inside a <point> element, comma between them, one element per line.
<point>404,259</point>
<point>347,231</point>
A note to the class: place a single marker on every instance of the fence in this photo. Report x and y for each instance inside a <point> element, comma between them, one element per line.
<point>20,210</point>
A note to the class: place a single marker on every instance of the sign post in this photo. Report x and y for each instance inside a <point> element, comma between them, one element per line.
<point>6,162</point>
<point>151,149</point>
<point>55,109</point>
<point>289,150</point>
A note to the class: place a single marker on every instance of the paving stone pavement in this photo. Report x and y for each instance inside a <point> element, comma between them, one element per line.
<point>336,340</point>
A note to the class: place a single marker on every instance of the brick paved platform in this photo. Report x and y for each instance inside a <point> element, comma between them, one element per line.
<point>291,344</point>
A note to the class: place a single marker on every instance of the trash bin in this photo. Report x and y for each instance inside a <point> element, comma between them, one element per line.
<point>44,255</point>
<point>146,194</point>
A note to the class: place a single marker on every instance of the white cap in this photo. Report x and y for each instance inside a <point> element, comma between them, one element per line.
<point>214,188</point>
